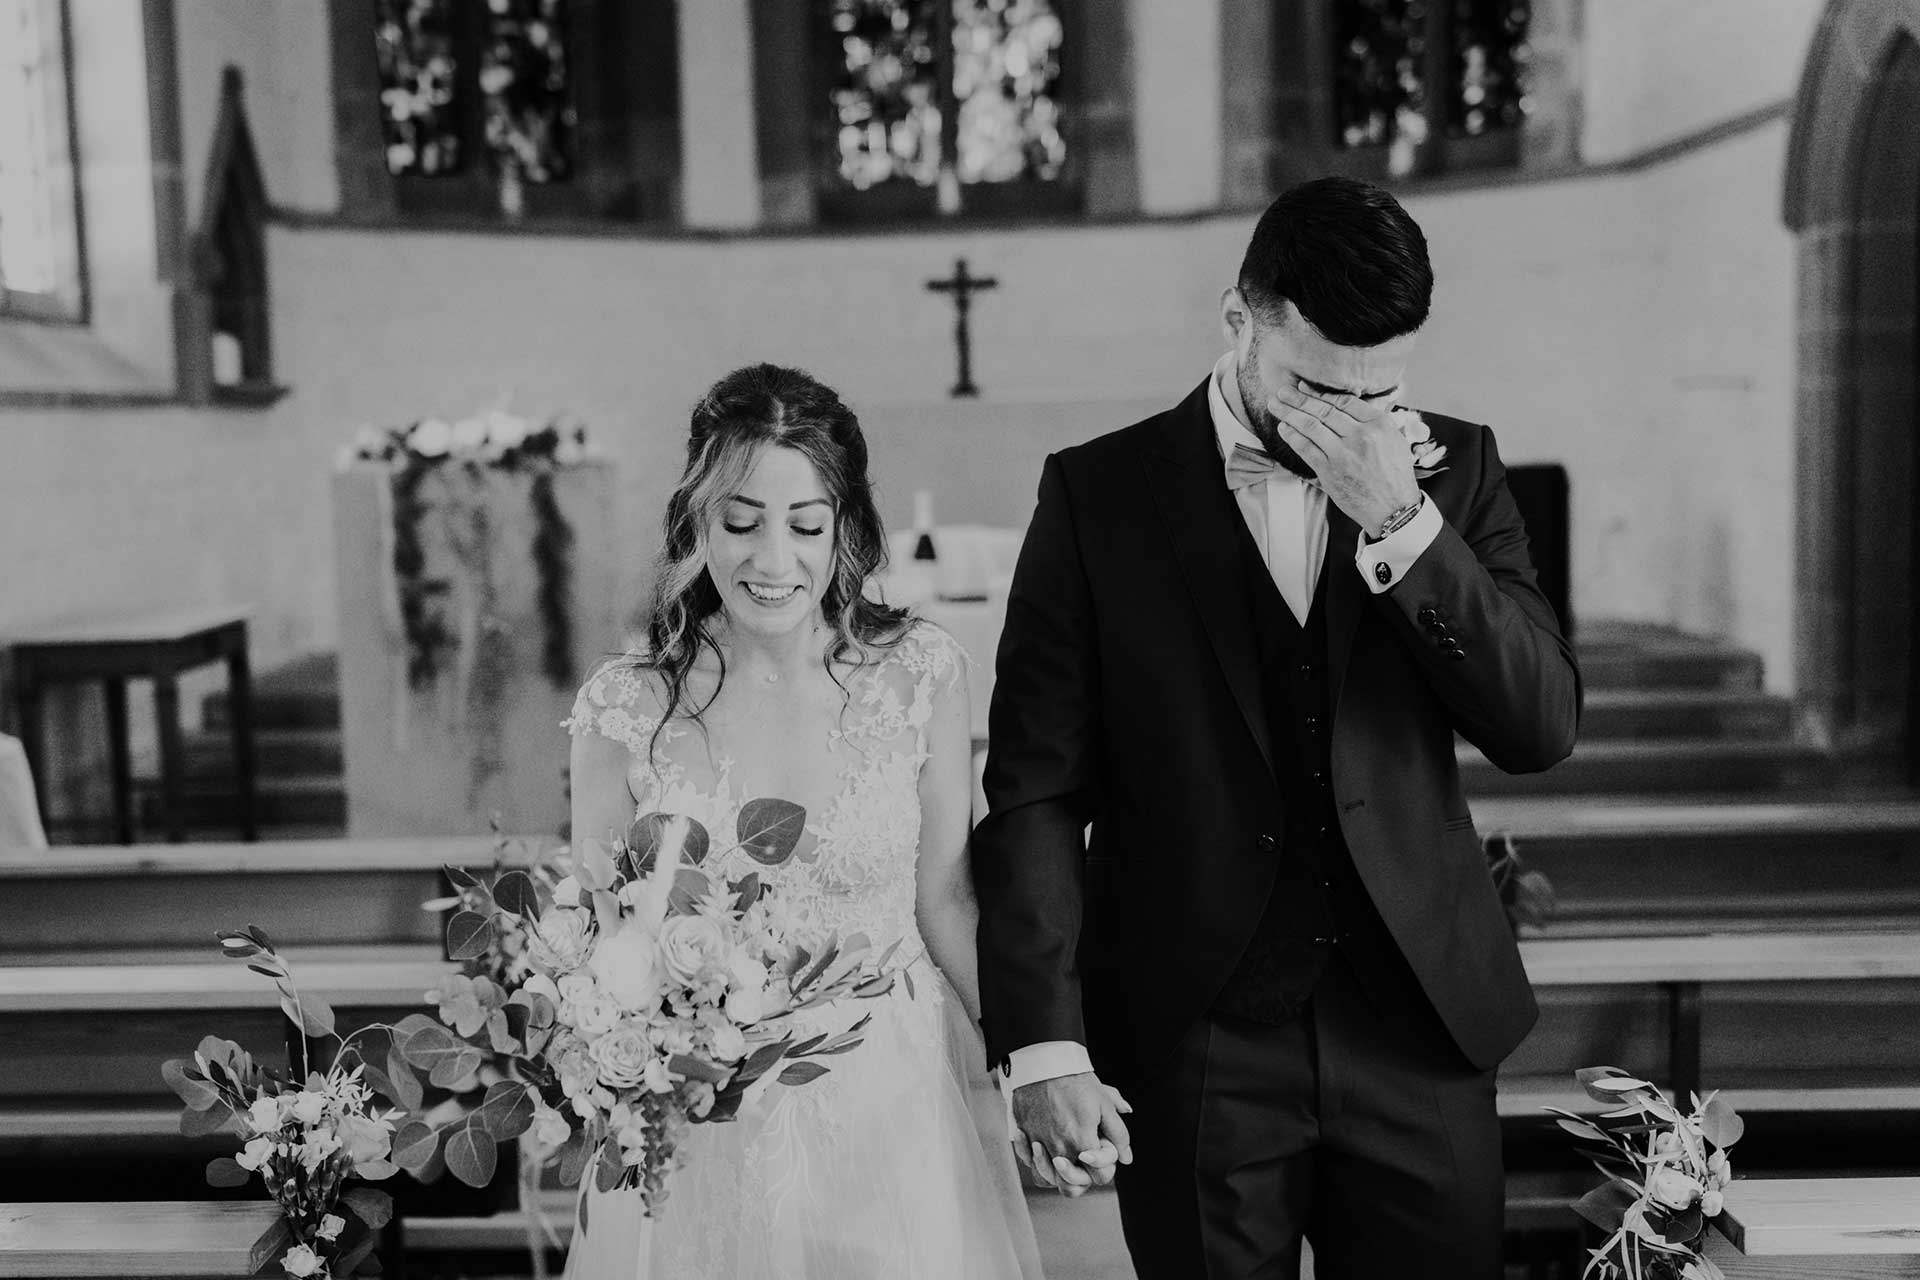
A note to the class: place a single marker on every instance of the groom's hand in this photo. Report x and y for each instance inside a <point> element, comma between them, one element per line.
<point>1070,1134</point>
<point>1356,452</point>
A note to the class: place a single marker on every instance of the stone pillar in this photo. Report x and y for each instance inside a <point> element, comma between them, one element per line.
<point>1177,104</point>
<point>479,734</point>
<point>720,160</point>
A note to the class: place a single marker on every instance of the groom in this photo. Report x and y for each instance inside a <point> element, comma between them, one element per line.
<point>1240,640</point>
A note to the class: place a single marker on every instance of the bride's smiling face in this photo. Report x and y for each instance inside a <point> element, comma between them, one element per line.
<point>770,549</point>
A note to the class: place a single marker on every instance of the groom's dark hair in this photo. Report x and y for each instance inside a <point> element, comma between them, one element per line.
<point>1347,255</point>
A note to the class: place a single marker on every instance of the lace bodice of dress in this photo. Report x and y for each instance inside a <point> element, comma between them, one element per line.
<point>853,870</point>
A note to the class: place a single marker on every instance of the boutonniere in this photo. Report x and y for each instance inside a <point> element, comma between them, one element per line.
<point>1428,453</point>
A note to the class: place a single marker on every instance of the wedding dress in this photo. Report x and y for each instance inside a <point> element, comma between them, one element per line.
<point>895,1165</point>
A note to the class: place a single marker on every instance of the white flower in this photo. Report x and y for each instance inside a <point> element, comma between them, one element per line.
<point>748,1005</point>
<point>690,948</point>
<point>595,1015</point>
<point>624,965</point>
<point>1428,453</point>
<point>657,1078</point>
<point>505,430</point>
<point>468,434</point>
<point>316,1151</point>
<point>301,1261</point>
<point>367,1140</point>
<point>1712,1203</point>
<point>370,442</point>
<point>562,938</point>
<point>567,892</point>
<point>729,1045</point>
<point>264,1115</point>
<point>576,986</point>
<point>1673,1189</point>
<point>1720,1169</point>
<point>330,1227</point>
<point>310,1108</point>
<point>744,970</point>
<point>623,1056</point>
<point>255,1155</point>
<point>550,1128</point>
<point>431,438</point>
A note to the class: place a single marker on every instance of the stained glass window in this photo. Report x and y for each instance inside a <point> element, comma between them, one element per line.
<point>886,92</point>
<point>419,89</point>
<point>1409,74</point>
<point>523,77</point>
<point>948,93</point>
<point>1488,52</point>
<point>464,77</point>
<point>1006,75</point>
<point>39,244</point>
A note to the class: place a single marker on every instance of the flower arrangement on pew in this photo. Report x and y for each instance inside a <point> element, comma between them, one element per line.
<point>1666,1173</point>
<point>653,995</point>
<point>307,1135</point>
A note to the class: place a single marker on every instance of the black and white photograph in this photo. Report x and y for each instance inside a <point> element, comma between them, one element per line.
<point>960,639</point>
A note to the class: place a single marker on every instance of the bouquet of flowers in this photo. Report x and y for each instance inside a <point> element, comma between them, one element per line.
<point>493,437</point>
<point>653,995</point>
<point>1666,1174</point>
<point>307,1136</point>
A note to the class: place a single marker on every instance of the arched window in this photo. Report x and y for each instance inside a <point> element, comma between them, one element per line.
<point>40,274</point>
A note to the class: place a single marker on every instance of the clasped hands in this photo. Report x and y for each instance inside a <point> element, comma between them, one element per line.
<point>1354,449</point>
<point>1068,1132</point>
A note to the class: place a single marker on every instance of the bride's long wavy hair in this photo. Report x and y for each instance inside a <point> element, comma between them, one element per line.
<point>748,411</point>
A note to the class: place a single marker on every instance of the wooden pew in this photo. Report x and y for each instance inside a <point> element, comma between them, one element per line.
<point>1809,1229</point>
<point>124,1240</point>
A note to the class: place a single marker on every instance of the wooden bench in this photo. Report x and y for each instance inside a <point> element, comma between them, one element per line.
<point>123,1240</point>
<point>1808,1228</point>
<point>1680,967</point>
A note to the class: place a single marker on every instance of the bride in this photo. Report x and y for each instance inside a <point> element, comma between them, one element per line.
<point>768,672</point>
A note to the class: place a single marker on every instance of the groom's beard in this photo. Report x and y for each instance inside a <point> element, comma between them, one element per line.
<point>1253,399</point>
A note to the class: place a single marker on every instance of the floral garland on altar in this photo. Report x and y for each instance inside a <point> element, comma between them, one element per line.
<point>494,440</point>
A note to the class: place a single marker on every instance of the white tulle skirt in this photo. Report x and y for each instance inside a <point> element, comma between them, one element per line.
<point>894,1166</point>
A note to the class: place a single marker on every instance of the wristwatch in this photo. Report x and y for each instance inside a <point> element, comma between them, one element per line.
<point>1399,519</point>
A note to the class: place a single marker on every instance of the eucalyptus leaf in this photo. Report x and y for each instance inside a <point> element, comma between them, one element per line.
<point>500,1037</point>
<point>747,891</point>
<point>407,1092</point>
<point>412,1025</point>
<point>194,1089</point>
<point>694,1068</point>
<point>472,1155</point>
<point>507,1110</point>
<point>1581,1129</point>
<point>469,934</point>
<point>645,833</point>
<point>316,1015</point>
<point>267,970</point>
<point>607,1174</point>
<point>448,1072</point>
<point>461,878</point>
<point>514,893</point>
<point>375,1208</point>
<point>430,1045</point>
<point>770,829</point>
<point>414,1146</point>
<point>689,887</point>
<point>225,1171</point>
<point>1721,1125</point>
<point>1606,1206</point>
<point>354,1257</point>
<point>573,1158</point>
<point>221,1118</point>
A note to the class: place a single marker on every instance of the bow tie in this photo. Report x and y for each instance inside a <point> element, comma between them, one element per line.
<point>1248,467</point>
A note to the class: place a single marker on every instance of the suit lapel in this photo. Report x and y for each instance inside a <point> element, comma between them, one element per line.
<point>1185,477</point>
<point>1346,599</point>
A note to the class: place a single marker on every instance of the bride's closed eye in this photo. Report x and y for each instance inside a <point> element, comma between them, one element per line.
<point>749,528</point>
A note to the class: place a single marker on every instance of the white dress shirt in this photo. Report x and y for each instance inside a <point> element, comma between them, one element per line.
<point>1288,520</point>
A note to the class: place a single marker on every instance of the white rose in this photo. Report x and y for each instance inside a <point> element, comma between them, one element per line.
<point>264,1115</point>
<point>748,1005</point>
<point>594,1015</point>
<point>690,948</point>
<point>1674,1189</point>
<point>550,1128</point>
<point>467,435</point>
<point>576,986</point>
<point>743,970</point>
<point>622,1055</point>
<point>255,1155</point>
<point>301,1261</point>
<point>367,1140</point>
<point>624,965</point>
<point>310,1108</point>
<point>331,1226</point>
<point>562,938</point>
<point>729,1045</point>
<point>430,438</point>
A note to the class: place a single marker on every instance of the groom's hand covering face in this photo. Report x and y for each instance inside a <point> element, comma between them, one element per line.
<point>1356,452</point>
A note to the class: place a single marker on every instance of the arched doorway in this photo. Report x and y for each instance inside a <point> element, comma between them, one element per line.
<point>1853,198</point>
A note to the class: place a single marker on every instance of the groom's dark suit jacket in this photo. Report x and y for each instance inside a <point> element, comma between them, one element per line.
<point>1128,696</point>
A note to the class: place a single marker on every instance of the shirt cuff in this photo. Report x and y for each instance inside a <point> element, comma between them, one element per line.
<point>1048,1060</point>
<point>1385,562</point>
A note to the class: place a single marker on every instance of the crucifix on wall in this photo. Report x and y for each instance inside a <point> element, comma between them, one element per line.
<point>963,286</point>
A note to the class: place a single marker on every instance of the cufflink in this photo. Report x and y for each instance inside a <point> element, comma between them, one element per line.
<point>1383,573</point>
